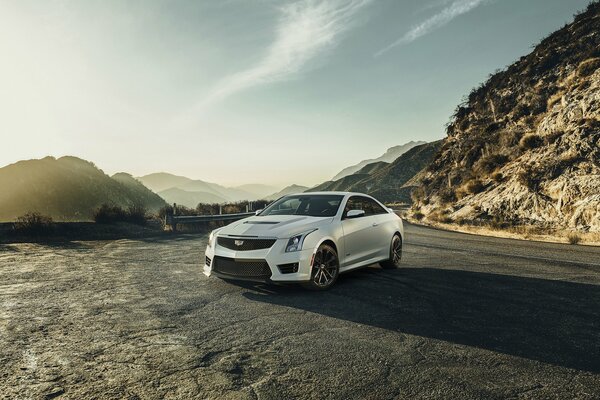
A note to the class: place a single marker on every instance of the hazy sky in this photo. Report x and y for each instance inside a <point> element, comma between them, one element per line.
<point>241,91</point>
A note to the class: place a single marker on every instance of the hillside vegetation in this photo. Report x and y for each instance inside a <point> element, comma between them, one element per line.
<point>524,148</point>
<point>67,189</point>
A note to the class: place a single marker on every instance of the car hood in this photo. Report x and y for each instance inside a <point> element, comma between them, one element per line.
<point>278,226</point>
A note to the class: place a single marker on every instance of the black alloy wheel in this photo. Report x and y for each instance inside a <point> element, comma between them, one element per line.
<point>325,268</point>
<point>395,254</point>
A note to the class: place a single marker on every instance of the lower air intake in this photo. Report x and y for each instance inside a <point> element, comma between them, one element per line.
<point>241,268</point>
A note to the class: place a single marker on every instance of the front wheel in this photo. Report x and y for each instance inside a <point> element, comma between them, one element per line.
<point>325,268</point>
<point>395,254</point>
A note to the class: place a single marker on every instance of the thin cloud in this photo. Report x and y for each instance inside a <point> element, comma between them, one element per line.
<point>305,29</point>
<point>458,7</point>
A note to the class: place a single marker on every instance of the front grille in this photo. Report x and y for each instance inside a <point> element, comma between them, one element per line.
<point>288,268</point>
<point>241,268</point>
<point>208,261</point>
<point>244,244</point>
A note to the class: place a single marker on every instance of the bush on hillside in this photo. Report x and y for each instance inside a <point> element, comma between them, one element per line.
<point>474,186</point>
<point>491,162</point>
<point>530,141</point>
<point>574,238</point>
<point>447,195</point>
<point>137,215</point>
<point>588,67</point>
<point>418,215</point>
<point>109,214</point>
<point>33,224</point>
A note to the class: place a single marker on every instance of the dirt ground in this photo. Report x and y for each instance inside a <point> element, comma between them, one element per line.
<point>466,317</point>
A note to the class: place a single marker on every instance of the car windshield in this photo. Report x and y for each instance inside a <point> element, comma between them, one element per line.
<point>322,205</point>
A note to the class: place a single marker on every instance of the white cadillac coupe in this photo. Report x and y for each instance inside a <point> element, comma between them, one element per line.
<point>309,238</point>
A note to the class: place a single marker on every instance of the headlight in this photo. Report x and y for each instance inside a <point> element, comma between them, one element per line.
<point>295,243</point>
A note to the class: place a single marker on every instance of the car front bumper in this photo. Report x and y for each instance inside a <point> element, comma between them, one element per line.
<point>244,265</point>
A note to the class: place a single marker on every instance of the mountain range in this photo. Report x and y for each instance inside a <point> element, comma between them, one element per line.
<point>190,192</point>
<point>292,189</point>
<point>386,181</point>
<point>390,155</point>
<point>67,189</point>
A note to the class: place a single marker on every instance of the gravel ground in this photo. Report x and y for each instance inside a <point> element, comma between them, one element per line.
<point>466,317</point>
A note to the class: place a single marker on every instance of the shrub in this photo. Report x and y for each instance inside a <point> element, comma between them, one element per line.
<point>554,136</point>
<point>137,215</point>
<point>447,195</point>
<point>498,223</point>
<point>417,195</point>
<point>230,208</point>
<point>521,110</point>
<point>107,214</point>
<point>494,126</point>
<point>573,238</point>
<point>440,216</point>
<point>588,67</point>
<point>474,186</point>
<point>491,162</point>
<point>530,141</point>
<point>531,177</point>
<point>509,138</point>
<point>34,224</point>
<point>418,215</point>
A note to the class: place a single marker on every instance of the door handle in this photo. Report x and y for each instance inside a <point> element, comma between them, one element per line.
<point>375,224</point>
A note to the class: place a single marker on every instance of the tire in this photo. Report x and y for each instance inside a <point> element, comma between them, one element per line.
<point>325,269</point>
<point>395,254</point>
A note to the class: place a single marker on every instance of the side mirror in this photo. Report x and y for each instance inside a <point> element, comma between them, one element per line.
<point>258,211</point>
<point>355,213</point>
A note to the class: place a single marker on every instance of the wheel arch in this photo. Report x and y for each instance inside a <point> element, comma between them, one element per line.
<point>331,243</point>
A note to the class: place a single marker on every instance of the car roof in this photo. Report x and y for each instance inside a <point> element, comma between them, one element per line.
<point>327,193</point>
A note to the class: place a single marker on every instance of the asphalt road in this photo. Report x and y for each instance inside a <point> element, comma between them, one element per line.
<point>466,317</point>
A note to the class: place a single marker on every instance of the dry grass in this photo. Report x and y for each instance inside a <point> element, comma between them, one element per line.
<point>517,232</point>
<point>574,238</point>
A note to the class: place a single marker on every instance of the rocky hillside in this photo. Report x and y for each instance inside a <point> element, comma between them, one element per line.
<point>387,182</point>
<point>67,189</point>
<point>524,148</point>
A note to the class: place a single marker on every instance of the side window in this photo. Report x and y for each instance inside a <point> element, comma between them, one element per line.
<point>371,207</point>
<point>353,203</point>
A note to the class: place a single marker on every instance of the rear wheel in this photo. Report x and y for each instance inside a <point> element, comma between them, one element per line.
<point>395,254</point>
<point>325,268</point>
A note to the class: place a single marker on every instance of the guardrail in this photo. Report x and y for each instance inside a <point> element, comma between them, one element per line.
<point>174,220</point>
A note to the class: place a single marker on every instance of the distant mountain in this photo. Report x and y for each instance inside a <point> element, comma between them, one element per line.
<point>285,191</point>
<point>524,149</point>
<point>161,181</point>
<point>373,167</point>
<point>386,181</point>
<point>67,189</point>
<point>189,198</point>
<point>390,155</point>
<point>140,194</point>
<point>259,190</point>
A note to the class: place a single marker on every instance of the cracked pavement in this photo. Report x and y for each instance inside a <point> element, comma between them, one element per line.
<point>465,317</point>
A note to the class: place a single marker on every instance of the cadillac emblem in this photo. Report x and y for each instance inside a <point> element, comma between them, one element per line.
<point>238,242</point>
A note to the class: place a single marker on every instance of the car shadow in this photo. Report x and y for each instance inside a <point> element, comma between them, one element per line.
<point>551,321</point>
